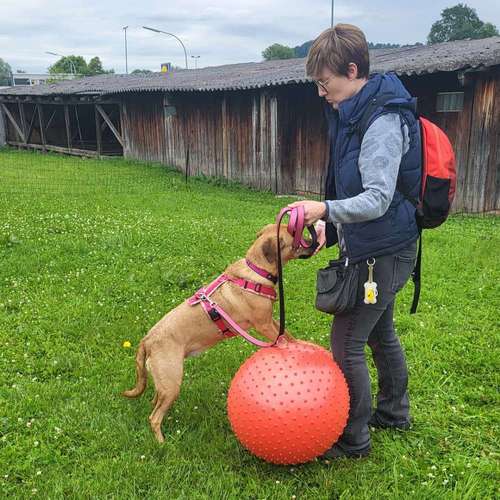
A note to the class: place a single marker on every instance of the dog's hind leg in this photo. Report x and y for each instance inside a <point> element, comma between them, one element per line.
<point>166,368</point>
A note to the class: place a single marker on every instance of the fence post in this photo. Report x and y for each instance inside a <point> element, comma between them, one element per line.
<point>2,129</point>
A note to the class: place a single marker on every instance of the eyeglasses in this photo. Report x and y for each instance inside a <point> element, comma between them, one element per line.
<point>321,84</point>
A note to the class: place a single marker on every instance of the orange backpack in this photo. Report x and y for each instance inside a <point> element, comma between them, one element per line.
<point>438,176</point>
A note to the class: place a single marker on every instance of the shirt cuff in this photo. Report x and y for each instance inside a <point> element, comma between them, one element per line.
<point>327,212</point>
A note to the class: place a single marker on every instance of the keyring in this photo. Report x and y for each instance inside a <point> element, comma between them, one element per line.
<point>368,261</point>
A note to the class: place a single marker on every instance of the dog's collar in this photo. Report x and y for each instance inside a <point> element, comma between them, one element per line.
<point>262,272</point>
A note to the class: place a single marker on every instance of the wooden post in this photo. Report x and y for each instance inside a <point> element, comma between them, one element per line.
<point>125,122</point>
<point>274,166</point>
<point>264,142</point>
<point>98,131</point>
<point>3,131</point>
<point>122,128</point>
<point>225,140</point>
<point>23,120</point>
<point>40,122</point>
<point>68,126</point>
<point>255,142</point>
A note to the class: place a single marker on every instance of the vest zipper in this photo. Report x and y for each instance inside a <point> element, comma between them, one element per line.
<point>335,168</point>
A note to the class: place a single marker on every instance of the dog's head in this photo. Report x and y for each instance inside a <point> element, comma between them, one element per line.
<point>266,241</point>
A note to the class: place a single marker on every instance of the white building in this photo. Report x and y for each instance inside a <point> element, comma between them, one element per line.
<point>39,78</point>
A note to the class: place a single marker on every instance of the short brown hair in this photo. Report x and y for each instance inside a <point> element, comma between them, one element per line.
<point>335,48</point>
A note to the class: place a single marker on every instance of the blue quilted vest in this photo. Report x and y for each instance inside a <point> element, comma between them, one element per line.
<point>397,228</point>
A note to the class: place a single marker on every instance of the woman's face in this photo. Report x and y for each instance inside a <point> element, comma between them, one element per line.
<point>337,88</point>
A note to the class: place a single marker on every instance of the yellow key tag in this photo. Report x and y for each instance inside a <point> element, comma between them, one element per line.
<point>370,286</point>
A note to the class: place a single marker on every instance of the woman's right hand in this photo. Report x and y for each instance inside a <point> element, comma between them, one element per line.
<point>321,234</point>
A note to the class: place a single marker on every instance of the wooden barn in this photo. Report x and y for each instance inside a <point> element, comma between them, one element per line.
<point>262,123</point>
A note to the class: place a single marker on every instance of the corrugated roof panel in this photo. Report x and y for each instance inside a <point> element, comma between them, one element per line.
<point>416,60</point>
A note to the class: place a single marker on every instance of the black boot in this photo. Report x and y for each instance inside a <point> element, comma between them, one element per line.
<point>377,423</point>
<point>336,451</point>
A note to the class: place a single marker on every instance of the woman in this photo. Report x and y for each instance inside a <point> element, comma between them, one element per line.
<point>370,218</point>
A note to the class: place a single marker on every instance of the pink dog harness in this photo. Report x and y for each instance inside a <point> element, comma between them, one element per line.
<point>226,325</point>
<point>219,316</point>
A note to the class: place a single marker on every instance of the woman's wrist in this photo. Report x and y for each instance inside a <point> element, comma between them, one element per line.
<point>327,212</point>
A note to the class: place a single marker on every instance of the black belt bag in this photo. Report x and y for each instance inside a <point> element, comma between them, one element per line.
<point>337,287</point>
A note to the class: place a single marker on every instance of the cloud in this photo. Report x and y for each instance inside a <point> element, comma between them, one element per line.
<point>225,31</point>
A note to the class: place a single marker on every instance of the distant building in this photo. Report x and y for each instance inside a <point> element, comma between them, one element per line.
<point>39,78</point>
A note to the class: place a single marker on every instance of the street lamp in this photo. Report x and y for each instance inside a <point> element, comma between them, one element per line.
<point>333,3</point>
<point>195,60</point>
<point>126,57</point>
<point>170,34</point>
<point>60,55</point>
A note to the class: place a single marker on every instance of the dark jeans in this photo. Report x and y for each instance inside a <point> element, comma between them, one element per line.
<point>373,324</point>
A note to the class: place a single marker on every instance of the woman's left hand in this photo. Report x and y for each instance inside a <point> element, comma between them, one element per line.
<point>313,210</point>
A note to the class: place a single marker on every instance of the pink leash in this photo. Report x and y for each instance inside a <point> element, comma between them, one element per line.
<point>295,224</point>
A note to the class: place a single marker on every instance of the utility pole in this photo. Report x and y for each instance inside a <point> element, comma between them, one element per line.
<point>195,61</point>
<point>126,56</point>
<point>333,3</point>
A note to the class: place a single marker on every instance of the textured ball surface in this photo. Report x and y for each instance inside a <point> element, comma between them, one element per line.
<point>289,403</point>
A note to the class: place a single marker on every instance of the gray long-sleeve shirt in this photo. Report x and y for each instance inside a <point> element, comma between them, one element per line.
<point>383,145</point>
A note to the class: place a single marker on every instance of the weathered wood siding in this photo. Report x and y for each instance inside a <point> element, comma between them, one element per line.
<point>144,128</point>
<point>303,139</point>
<point>482,182</point>
<point>276,139</point>
<point>227,134</point>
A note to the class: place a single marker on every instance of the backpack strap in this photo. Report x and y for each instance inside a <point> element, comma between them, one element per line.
<point>416,274</point>
<point>365,121</point>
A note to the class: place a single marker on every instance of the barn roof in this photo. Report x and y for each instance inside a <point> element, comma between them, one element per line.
<point>414,60</point>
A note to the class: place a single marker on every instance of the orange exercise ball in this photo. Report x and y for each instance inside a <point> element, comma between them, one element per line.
<point>289,403</point>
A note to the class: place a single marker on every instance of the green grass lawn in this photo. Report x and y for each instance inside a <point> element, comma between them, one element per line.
<point>93,253</point>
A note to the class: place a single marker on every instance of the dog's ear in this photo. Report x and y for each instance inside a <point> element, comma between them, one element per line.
<point>265,228</point>
<point>269,249</point>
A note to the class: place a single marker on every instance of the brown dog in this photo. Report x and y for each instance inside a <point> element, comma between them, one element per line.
<point>188,331</point>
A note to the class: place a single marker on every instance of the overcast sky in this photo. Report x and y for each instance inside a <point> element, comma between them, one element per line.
<point>220,32</point>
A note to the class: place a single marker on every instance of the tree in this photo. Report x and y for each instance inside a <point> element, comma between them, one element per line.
<point>5,73</point>
<point>94,67</point>
<point>303,50</point>
<point>460,22</point>
<point>141,72</point>
<point>68,64</point>
<point>277,51</point>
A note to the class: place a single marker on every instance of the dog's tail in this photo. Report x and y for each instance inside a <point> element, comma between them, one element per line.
<point>141,372</point>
